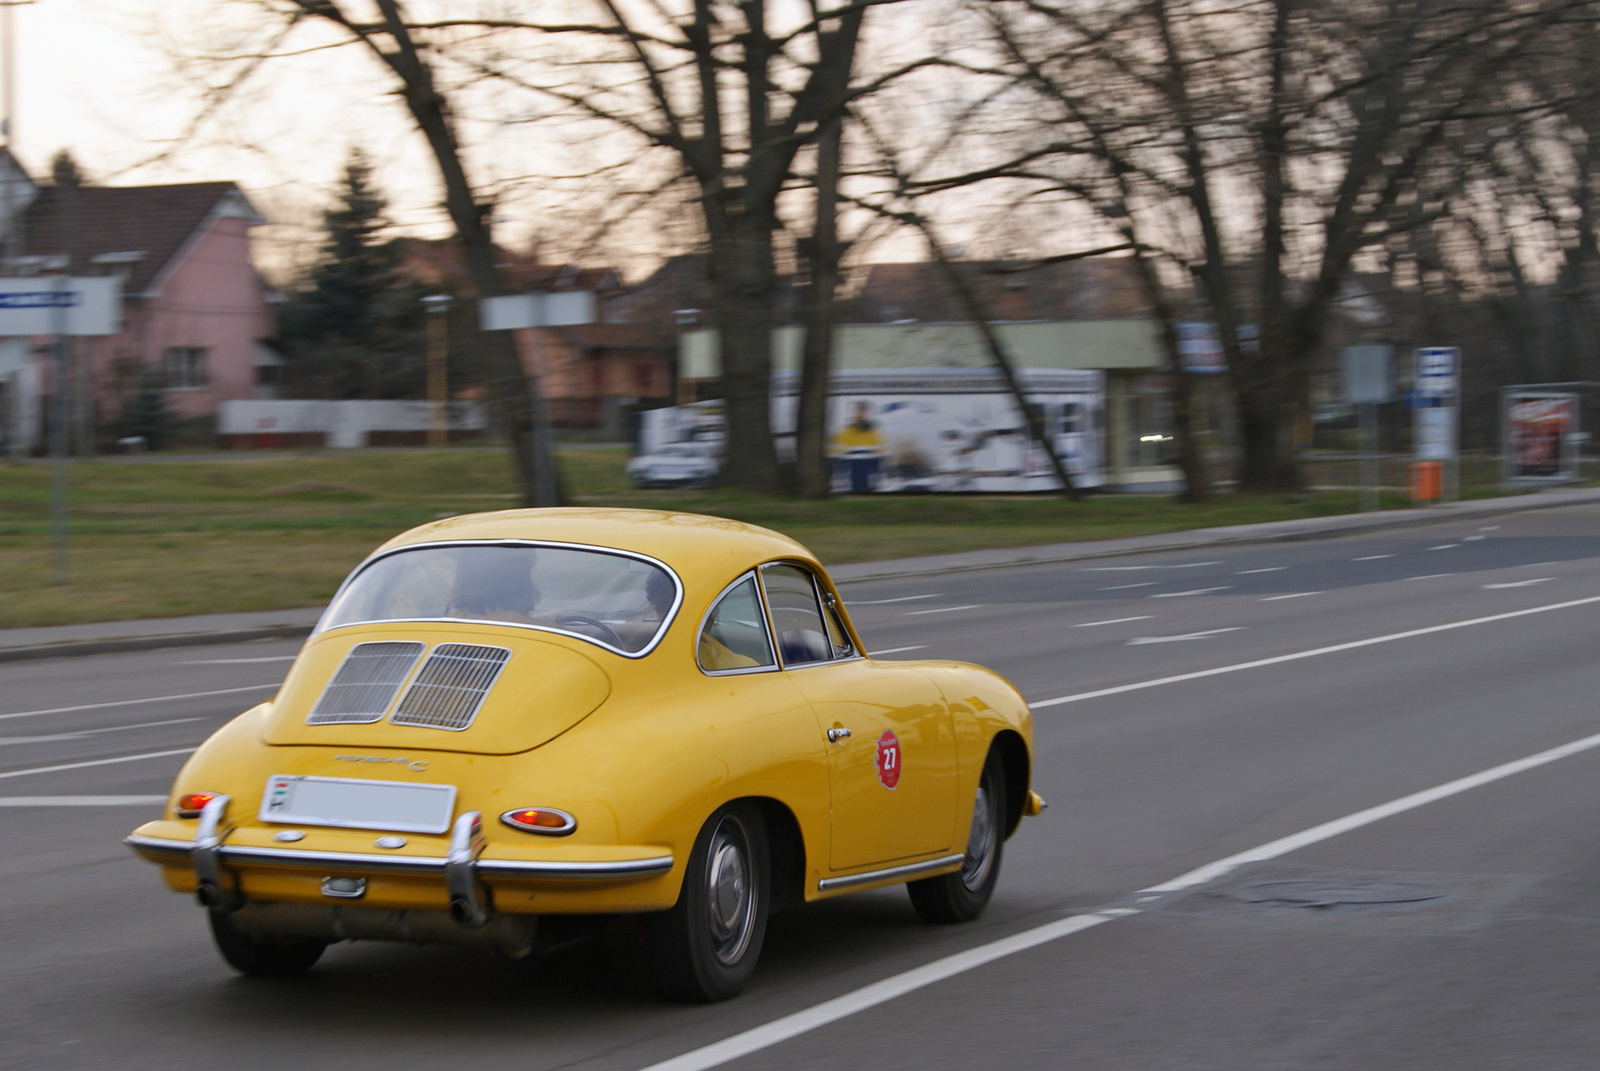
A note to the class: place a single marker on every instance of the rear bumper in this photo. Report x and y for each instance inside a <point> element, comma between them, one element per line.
<point>161,850</point>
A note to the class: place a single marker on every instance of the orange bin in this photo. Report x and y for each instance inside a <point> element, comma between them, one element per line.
<point>1427,480</point>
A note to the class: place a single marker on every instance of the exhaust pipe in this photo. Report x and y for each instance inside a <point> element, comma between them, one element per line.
<point>462,912</point>
<point>209,896</point>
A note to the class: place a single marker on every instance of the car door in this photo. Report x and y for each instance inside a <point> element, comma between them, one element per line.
<point>890,738</point>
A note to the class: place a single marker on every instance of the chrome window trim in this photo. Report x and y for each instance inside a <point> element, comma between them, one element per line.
<point>766,626</point>
<point>816,593</point>
<point>412,864</point>
<point>666,622</point>
<point>891,873</point>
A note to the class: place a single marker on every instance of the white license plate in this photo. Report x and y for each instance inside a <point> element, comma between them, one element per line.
<point>358,804</point>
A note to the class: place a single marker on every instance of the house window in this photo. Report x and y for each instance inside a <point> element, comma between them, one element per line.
<point>186,367</point>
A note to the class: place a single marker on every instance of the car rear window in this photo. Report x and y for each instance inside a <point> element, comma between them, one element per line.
<point>619,602</point>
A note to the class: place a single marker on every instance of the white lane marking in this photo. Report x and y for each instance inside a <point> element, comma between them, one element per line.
<point>79,801</point>
<point>1291,595</point>
<point>830,1011</point>
<point>897,650</point>
<point>886,602</point>
<point>1125,587</point>
<point>1181,594</point>
<point>1473,539</point>
<point>1429,576</point>
<point>1314,652</point>
<point>1489,528</point>
<point>1179,639</point>
<point>943,609</point>
<point>1534,565</point>
<point>841,1007</point>
<point>1113,621</point>
<point>96,762</point>
<point>1445,546</point>
<point>81,733</point>
<point>1117,568</point>
<point>1295,841</point>
<point>1372,557</point>
<point>135,702</point>
<point>1268,569</point>
<point>236,661</point>
<point>1518,583</point>
<point>1192,565</point>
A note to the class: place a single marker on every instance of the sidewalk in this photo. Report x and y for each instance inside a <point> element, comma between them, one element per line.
<point>65,640</point>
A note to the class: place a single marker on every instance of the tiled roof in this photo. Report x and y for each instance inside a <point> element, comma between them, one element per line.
<point>92,220</point>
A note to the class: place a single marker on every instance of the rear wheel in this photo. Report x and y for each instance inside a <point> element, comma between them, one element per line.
<point>263,957</point>
<point>705,947</point>
<point>962,896</point>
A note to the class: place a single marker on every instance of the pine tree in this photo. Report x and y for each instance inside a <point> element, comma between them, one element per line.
<point>355,328</point>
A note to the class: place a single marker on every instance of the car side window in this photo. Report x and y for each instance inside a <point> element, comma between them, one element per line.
<point>796,615</point>
<point>735,632</point>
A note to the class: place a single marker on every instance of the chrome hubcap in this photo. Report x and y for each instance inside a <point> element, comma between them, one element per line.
<point>730,897</point>
<point>981,841</point>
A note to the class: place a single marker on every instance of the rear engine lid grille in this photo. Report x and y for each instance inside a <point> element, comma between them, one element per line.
<point>365,683</point>
<point>451,686</point>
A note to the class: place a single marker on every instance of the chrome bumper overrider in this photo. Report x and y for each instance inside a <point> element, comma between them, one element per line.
<point>461,868</point>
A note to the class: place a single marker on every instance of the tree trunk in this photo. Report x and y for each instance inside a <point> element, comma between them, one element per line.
<point>515,392</point>
<point>812,475</point>
<point>743,279</point>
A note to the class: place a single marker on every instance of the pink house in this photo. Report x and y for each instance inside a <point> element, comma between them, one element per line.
<point>195,314</point>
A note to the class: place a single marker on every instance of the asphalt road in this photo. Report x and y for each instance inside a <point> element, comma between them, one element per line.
<point>1460,932</point>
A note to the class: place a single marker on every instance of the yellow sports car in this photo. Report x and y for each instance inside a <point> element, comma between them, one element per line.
<point>584,712</point>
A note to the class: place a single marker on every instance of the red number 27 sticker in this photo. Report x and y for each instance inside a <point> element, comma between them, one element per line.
<point>889,759</point>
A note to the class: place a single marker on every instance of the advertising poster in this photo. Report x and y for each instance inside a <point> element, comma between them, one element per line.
<point>928,430</point>
<point>1539,435</point>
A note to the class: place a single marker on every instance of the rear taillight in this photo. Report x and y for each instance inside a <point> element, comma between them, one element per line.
<point>190,804</point>
<point>545,820</point>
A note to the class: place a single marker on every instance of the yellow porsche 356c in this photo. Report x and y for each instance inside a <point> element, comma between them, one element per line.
<point>590,712</point>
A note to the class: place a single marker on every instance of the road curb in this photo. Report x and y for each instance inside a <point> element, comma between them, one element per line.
<point>1203,538</point>
<point>78,648</point>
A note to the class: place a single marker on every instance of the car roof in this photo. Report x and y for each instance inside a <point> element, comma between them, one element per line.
<point>704,551</point>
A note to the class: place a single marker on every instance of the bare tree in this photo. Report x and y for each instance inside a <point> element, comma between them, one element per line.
<point>1294,136</point>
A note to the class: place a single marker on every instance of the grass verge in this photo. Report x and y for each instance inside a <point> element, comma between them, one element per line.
<point>159,537</point>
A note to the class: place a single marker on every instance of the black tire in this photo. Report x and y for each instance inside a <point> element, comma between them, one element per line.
<point>962,896</point>
<point>705,947</point>
<point>287,957</point>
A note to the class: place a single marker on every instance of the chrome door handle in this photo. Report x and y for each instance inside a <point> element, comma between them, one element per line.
<point>836,735</point>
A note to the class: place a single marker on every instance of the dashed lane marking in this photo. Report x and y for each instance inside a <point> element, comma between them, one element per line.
<point>1137,640</point>
<point>1518,583</point>
<point>943,609</point>
<point>1313,652</point>
<point>1445,546</point>
<point>898,650</point>
<point>1181,594</point>
<point>96,762</point>
<point>1113,621</point>
<point>1372,557</point>
<point>886,602</point>
<point>81,801</point>
<point>1268,569</point>
<point>1291,595</point>
<point>81,733</point>
<point>136,702</point>
<point>236,661</point>
<point>1125,587</point>
<point>1429,576</point>
<point>870,996</point>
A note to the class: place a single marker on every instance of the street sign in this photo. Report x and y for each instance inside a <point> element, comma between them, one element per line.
<point>563,308</point>
<point>1438,368</point>
<point>42,304</point>
<point>1366,374</point>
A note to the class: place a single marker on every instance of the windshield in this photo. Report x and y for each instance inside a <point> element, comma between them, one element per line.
<point>617,601</point>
